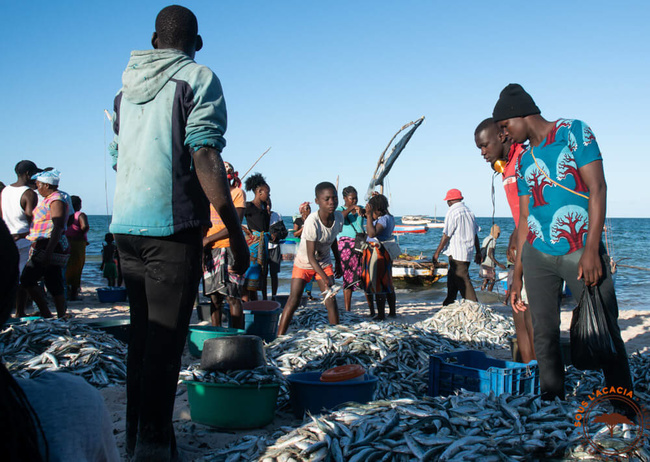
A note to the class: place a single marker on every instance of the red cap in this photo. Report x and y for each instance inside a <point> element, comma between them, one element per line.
<point>453,194</point>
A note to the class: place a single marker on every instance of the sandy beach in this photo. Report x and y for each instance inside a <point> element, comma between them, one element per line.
<point>196,440</point>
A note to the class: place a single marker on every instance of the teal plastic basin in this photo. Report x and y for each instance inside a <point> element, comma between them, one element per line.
<point>199,334</point>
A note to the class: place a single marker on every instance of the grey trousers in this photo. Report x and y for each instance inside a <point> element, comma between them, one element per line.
<point>543,276</point>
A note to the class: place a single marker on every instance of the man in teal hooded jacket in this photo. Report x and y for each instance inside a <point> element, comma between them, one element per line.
<point>169,121</point>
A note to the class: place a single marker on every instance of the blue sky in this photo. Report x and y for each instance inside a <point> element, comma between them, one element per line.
<point>326,84</point>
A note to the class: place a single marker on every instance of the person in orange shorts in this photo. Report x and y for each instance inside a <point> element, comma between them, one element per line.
<point>314,257</point>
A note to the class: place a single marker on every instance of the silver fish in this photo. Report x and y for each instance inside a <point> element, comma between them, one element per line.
<point>63,345</point>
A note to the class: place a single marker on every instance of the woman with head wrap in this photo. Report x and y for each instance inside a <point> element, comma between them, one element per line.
<point>298,223</point>
<point>50,250</point>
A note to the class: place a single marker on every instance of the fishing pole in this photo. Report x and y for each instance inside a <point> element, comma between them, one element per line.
<point>633,267</point>
<point>259,158</point>
<point>110,119</point>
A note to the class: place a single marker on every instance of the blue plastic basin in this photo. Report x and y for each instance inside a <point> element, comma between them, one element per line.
<point>260,318</point>
<point>111,294</point>
<point>308,393</point>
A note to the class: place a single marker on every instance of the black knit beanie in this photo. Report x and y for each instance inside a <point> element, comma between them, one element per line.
<point>514,102</point>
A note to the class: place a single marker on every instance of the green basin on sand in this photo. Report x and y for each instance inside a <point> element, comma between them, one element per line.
<point>232,406</point>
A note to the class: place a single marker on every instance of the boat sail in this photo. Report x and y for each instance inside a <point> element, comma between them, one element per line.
<point>405,268</point>
<point>386,163</point>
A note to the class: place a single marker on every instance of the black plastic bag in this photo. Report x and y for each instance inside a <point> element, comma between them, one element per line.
<point>591,341</point>
<point>279,229</point>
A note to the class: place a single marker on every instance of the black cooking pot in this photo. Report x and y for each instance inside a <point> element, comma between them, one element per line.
<point>232,353</point>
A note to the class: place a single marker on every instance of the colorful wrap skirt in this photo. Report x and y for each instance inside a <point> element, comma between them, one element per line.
<point>350,262</point>
<point>258,246</point>
<point>217,279</point>
<point>376,270</point>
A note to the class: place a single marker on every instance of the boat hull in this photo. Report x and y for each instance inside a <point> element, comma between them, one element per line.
<point>417,272</point>
<point>410,229</point>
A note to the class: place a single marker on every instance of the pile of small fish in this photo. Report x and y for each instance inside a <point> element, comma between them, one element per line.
<point>583,383</point>
<point>397,354</point>
<point>63,346</point>
<point>308,318</point>
<point>640,367</point>
<point>472,323</point>
<point>468,426</point>
<point>258,376</point>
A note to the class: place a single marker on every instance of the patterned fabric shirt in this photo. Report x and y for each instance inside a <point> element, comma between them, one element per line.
<point>41,227</point>
<point>558,219</point>
<point>461,227</point>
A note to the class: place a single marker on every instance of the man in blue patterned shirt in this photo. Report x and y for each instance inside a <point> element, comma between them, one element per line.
<point>562,199</point>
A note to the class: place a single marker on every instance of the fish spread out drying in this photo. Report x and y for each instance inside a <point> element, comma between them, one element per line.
<point>404,424</point>
<point>71,346</point>
<point>467,426</point>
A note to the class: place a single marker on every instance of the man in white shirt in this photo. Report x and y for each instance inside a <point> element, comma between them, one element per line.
<point>460,239</point>
<point>17,202</point>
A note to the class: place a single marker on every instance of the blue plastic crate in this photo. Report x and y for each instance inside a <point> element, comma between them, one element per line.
<point>474,371</point>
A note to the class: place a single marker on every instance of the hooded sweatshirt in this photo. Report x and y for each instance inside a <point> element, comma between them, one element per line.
<point>168,107</point>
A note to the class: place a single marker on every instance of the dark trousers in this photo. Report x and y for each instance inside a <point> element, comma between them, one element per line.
<point>543,276</point>
<point>458,281</point>
<point>162,276</point>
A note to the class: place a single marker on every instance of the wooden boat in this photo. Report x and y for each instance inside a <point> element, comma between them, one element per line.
<point>430,223</point>
<point>416,220</point>
<point>410,229</point>
<point>417,270</point>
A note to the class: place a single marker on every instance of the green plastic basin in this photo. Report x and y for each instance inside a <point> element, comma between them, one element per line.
<point>199,334</point>
<point>232,406</point>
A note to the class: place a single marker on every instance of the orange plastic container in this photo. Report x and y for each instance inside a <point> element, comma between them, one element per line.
<point>343,373</point>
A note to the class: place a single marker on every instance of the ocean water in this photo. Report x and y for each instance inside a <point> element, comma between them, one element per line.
<point>629,241</point>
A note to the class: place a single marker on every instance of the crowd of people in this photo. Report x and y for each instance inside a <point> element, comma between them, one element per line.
<point>50,232</point>
<point>159,229</point>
